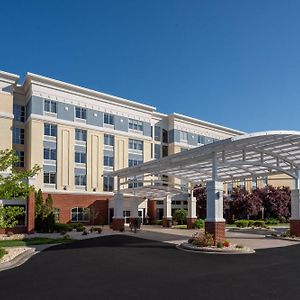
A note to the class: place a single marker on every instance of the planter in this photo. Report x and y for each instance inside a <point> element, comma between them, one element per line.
<point>214,250</point>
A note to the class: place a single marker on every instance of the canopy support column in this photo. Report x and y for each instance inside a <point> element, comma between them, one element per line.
<point>167,218</point>
<point>134,215</point>
<point>192,215</point>
<point>295,208</point>
<point>214,222</point>
<point>118,218</point>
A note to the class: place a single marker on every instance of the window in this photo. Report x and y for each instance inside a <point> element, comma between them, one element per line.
<point>165,151</point>
<point>184,186</point>
<point>18,135</point>
<point>108,183</point>
<point>135,144</point>
<point>19,113</point>
<point>50,129</point>
<point>157,133</point>
<point>49,177</point>
<point>135,125</point>
<point>134,162</point>
<point>50,106</point>
<point>201,139</point>
<point>56,212</point>
<point>134,183</point>
<point>108,161</point>
<point>80,214</point>
<point>183,136</point>
<point>80,157</point>
<point>242,183</point>
<point>109,140</point>
<point>157,151</point>
<point>80,135</point>
<point>183,149</point>
<point>49,153</point>
<point>165,137</point>
<point>80,179</point>
<point>109,119</point>
<point>264,181</point>
<point>80,113</point>
<point>21,159</point>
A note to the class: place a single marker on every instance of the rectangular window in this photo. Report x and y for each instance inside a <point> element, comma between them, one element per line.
<point>80,214</point>
<point>229,188</point>
<point>80,157</point>
<point>18,135</point>
<point>108,161</point>
<point>21,162</point>
<point>135,182</point>
<point>108,119</point>
<point>135,144</point>
<point>19,113</point>
<point>157,133</point>
<point>50,106</point>
<point>135,125</point>
<point>183,136</point>
<point>80,135</point>
<point>50,129</point>
<point>157,151</point>
<point>80,179</point>
<point>50,153</point>
<point>80,113</point>
<point>49,177</point>
<point>254,183</point>
<point>134,162</point>
<point>165,136</point>
<point>109,140</point>
<point>108,183</point>
<point>264,181</point>
<point>165,151</point>
<point>201,139</point>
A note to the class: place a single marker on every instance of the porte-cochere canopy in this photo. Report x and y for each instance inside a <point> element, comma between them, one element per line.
<point>245,156</point>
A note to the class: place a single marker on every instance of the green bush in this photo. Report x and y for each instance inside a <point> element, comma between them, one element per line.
<point>80,228</point>
<point>251,223</point>
<point>220,244</point>
<point>259,223</point>
<point>242,223</point>
<point>62,227</point>
<point>2,252</point>
<point>180,216</point>
<point>199,223</point>
<point>272,221</point>
<point>76,225</point>
<point>156,222</point>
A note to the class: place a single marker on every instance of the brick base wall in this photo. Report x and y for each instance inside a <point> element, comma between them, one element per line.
<point>167,222</point>
<point>217,229</point>
<point>15,230</point>
<point>190,223</point>
<point>295,227</point>
<point>118,224</point>
<point>98,206</point>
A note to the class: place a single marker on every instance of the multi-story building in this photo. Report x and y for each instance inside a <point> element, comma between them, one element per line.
<point>77,136</point>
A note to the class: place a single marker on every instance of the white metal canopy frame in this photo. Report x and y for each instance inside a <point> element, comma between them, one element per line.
<point>245,156</point>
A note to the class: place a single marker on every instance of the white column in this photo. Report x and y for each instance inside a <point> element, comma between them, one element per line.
<point>214,206</point>
<point>118,206</point>
<point>168,207</point>
<point>134,208</point>
<point>192,206</point>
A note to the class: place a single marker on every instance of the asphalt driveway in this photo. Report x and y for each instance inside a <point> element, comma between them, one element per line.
<point>126,267</point>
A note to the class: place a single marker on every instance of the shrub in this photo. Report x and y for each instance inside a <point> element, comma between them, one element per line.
<point>242,223</point>
<point>96,229</point>
<point>251,223</point>
<point>203,240</point>
<point>2,252</point>
<point>80,228</point>
<point>272,221</point>
<point>239,246</point>
<point>75,225</point>
<point>286,234</point>
<point>61,227</point>
<point>199,223</point>
<point>226,243</point>
<point>260,223</point>
<point>220,244</point>
<point>66,237</point>
<point>180,216</point>
<point>156,222</point>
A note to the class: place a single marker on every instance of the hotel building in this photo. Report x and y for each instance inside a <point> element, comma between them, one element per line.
<point>78,135</point>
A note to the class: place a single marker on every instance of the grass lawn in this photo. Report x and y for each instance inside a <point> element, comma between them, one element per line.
<point>33,241</point>
<point>179,226</point>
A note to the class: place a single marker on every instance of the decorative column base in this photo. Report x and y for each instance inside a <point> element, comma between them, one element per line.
<point>190,223</point>
<point>118,224</point>
<point>167,222</point>
<point>295,227</point>
<point>217,229</point>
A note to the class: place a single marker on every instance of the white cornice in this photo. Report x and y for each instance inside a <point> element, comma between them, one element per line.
<point>6,115</point>
<point>53,83</point>
<point>9,77</point>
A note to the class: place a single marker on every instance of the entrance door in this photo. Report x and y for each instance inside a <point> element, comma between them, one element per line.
<point>141,215</point>
<point>126,214</point>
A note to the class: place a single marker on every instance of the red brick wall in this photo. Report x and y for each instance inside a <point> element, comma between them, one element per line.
<point>217,229</point>
<point>97,204</point>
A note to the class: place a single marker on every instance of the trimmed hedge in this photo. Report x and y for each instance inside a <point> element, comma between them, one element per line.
<point>62,227</point>
<point>250,223</point>
<point>199,223</point>
<point>242,223</point>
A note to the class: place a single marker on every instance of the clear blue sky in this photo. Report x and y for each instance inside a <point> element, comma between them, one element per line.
<point>236,63</point>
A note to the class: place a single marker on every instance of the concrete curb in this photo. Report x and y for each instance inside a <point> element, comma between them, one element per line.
<point>187,248</point>
<point>18,260</point>
<point>289,239</point>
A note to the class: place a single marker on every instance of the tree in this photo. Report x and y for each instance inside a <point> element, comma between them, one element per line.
<point>13,184</point>
<point>201,197</point>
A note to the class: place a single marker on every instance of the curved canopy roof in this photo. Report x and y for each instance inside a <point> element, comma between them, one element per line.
<point>239,157</point>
